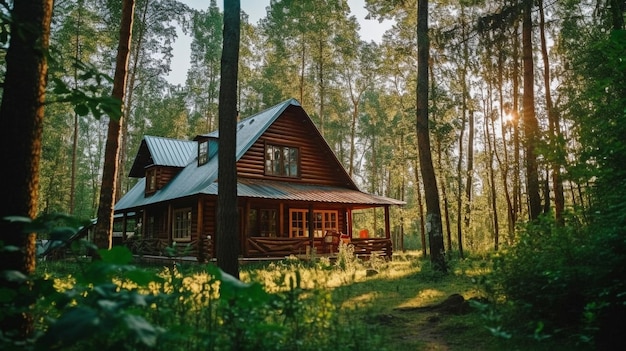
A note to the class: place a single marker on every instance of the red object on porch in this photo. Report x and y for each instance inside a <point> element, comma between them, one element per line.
<point>363,234</point>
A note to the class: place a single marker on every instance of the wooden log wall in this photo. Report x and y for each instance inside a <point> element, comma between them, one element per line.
<point>317,163</point>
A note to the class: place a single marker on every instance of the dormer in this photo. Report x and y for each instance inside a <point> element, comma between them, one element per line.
<point>159,160</point>
<point>206,148</point>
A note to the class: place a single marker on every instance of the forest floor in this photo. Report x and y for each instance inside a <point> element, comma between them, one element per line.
<point>415,308</point>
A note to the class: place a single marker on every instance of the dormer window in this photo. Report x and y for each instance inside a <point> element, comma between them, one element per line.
<point>282,161</point>
<point>151,180</point>
<point>203,152</point>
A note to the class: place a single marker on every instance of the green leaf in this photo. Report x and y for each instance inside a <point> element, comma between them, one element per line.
<point>19,219</point>
<point>144,332</point>
<point>116,255</point>
<point>9,248</point>
<point>13,276</point>
<point>81,109</point>
<point>74,325</point>
<point>7,295</point>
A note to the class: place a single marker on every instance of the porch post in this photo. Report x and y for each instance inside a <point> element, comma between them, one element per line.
<point>169,224</point>
<point>124,226</point>
<point>310,224</point>
<point>387,230</point>
<point>244,229</point>
<point>144,217</point>
<point>281,220</point>
<point>349,222</point>
<point>202,255</point>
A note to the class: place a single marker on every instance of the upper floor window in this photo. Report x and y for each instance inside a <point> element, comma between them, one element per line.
<point>282,161</point>
<point>151,180</point>
<point>203,152</point>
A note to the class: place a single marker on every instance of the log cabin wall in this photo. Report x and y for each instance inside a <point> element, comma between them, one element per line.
<point>165,174</point>
<point>284,220</point>
<point>208,222</point>
<point>293,130</point>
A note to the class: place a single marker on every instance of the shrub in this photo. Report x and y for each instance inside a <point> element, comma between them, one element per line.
<point>567,279</point>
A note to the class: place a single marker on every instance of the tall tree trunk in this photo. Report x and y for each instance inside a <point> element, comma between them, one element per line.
<point>464,104</point>
<point>433,210</point>
<point>504,165</point>
<point>469,180</point>
<point>420,207</point>
<point>321,85</point>
<point>103,234</point>
<point>355,113</point>
<point>490,137</point>
<point>21,121</point>
<point>444,195</point>
<point>72,203</point>
<point>531,126</point>
<point>227,215</point>
<point>459,185</point>
<point>127,105</point>
<point>517,188</point>
<point>554,125</point>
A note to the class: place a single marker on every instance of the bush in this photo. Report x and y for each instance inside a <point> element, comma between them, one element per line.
<point>566,279</point>
<point>113,305</point>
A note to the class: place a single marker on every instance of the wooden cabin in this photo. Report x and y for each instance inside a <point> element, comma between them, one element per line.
<point>294,195</point>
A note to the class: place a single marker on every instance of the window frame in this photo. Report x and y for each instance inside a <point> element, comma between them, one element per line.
<point>203,152</point>
<point>322,221</point>
<point>280,161</point>
<point>151,180</point>
<point>181,229</point>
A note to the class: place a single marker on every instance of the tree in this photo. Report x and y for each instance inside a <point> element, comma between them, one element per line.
<point>203,76</point>
<point>103,234</point>
<point>21,118</point>
<point>433,210</point>
<point>531,126</point>
<point>227,215</point>
<point>554,123</point>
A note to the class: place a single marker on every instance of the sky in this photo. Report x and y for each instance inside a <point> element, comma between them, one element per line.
<point>370,30</point>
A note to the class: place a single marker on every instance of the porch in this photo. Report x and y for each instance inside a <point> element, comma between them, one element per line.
<point>260,248</point>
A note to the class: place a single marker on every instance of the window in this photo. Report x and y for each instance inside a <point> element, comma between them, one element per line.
<point>151,180</point>
<point>267,222</point>
<point>181,224</point>
<point>282,161</point>
<point>203,152</point>
<point>322,221</point>
<point>262,222</point>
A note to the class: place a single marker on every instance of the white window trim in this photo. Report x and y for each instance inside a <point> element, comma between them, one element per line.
<point>318,232</point>
<point>184,226</point>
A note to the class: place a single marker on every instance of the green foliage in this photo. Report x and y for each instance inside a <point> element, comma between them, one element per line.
<point>111,304</point>
<point>563,281</point>
<point>91,96</point>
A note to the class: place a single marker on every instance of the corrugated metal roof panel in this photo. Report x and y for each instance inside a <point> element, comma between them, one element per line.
<point>195,179</point>
<point>171,152</point>
<point>309,192</point>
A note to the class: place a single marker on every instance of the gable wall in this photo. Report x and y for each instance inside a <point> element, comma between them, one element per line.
<point>165,174</point>
<point>316,164</point>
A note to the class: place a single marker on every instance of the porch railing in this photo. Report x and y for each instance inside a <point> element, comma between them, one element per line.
<point>277,247</point>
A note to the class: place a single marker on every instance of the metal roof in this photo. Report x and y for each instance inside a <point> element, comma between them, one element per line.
<point>170,152</point>
<point>268,189</point>
<point>194,179</point>
<point>251,128</point>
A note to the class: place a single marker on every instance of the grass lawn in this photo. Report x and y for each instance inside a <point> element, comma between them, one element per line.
<point>403,302</point>
<point>407,302</point>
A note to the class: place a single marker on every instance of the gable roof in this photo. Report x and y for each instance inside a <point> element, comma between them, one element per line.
<point>194,179</point>
<point>161,151</point>
<point>251,128</point>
